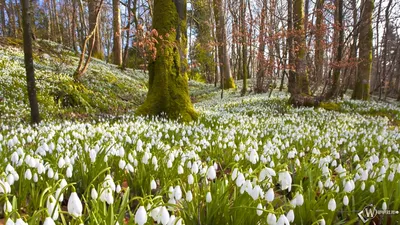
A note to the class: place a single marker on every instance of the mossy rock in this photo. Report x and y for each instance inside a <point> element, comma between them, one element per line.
<point>331,106</point>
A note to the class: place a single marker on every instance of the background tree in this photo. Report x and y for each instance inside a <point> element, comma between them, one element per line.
<point>117,44</point>
<point>28,56</point>
<point>96,48</point>
<point>362,86</point>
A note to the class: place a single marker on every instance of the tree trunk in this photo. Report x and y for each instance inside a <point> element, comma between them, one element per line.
<point>385,47</point>
<point>244,45</point>
<point>73,25</point>
<point>260,55</point>
<point>302,84</point>
<point>362,87</point>
<point>292,74</point>
<point>96,49</point>
<point>117,47</point>
<point>168,83</point>
<point>128,31</point>
<point>30,73</point>
<point>223,54</point>
<point>3,17</point>
<point>333,91</point>
<point>319,42</point>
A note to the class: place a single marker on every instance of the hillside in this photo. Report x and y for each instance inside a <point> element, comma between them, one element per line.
<point>104,90</point>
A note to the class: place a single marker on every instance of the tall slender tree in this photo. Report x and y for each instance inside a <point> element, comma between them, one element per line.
<point>223,54</point>
<point>28,57</point>
<point>243,33</point>
<point>117,47</point>
<point>168,83</point>
<point>94,9</point>
<point>362,86</point>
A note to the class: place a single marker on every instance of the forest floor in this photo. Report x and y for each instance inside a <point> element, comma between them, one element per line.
<point>247,160</point>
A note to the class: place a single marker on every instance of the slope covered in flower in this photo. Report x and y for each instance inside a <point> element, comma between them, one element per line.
<point>104,89</point>
<point>248,160</point>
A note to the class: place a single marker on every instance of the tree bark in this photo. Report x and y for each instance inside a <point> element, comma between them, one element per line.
<point>333,91</point>
<point>385,47</point>
<point>28,57</point>
<point>168,83</point>
<point>302,84</point>
<point>223,54</point>
<point>362,87</point>
<point>3,17</point>
<point>96,49</point>
<point>244,45</point>
<point>319,42</point>
<point>117,47</point>
<point>128,31</point>
<point>260,55</point>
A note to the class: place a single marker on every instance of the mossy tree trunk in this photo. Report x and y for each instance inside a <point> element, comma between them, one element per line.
<point>298,81</point>
<point>223,54</point>
<point>362,86</point>
<point>117,45</point>
<point>168,83</point>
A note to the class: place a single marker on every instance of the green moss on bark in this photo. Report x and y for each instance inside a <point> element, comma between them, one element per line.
<point>168,83</point>
<point>229,83</point>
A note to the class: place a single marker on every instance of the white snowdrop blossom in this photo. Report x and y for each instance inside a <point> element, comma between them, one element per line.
<point>332,204</point>
<point>141,216</point>
<point>74,205</point>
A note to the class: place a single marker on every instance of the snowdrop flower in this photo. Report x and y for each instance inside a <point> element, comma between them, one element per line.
<point>234,173</point>
<point>7,206</point>
<point>208,197</point>
<point>10,222</point>
<point>283,220</point>
<point>211,173</point>
<point>109,183</point>
<point>74,205</point>
<point>332,204</point>
<point>189,196</point>
<point>384,206</point>
<point>69,171</point>
<point>61,162</point>
<point>363,186</point>
<point>28,174</point>
<point>259,209</point>
<point>372,188</point>
<point>270,195</point>
<point>190,179</point>
<point>118,189</point>
<point>50,173</point>
<point>20,222</point>
<point>178,193</point>
<point>322,221</point>
<point>349,186</point>
<point>345,200</point>
<point>107,196</point>
<point>285,180</point>
<point>49,221</point>
<point>266,172</point>
<point>94,194</point>
<point>240,179</point>
<point>153,184</point>
<point>52,207</point>
<point>180,169</point>
<point>164,218</point>
<point>271,219</point>
<point>290,216</point>
<point>141,216</point>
